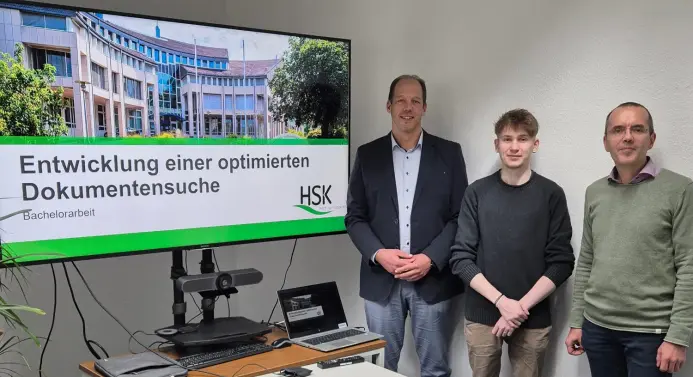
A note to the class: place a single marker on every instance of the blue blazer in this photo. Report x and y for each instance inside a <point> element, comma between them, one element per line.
<point>372,214</point>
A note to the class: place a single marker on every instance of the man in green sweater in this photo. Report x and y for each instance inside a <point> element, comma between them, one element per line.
<point>632,311</point>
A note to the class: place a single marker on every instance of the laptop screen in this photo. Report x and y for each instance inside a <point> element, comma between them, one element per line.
<point>312,309</point>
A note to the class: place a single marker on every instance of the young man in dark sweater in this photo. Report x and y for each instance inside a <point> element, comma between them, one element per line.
<point>513,249</point>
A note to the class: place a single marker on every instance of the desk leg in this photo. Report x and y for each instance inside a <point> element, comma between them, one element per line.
<point>378,358</point>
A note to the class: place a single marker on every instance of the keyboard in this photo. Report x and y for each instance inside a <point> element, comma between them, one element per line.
<point>333,337</point>
<point>206,359</point>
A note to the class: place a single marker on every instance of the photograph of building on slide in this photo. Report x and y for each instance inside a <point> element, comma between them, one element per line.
<point>80,73</point>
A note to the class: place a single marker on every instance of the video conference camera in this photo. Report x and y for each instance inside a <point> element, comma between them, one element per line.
<point>210,331</point>
<point>223,282</point>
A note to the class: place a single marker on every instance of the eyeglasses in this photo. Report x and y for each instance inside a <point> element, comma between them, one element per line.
<point>619,131</point>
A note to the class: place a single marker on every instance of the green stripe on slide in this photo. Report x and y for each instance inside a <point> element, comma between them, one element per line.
<point>110,244</point>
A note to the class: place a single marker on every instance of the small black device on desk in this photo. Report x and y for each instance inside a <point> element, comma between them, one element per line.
<point>296,372</point>
<point>339,362</point>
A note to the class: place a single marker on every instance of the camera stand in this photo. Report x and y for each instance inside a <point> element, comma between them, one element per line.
<point>209,331</point>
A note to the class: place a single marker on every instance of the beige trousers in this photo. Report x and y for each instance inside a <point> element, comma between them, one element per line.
<point>526,350</point>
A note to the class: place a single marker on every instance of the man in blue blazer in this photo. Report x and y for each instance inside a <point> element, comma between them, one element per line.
<point>404,196</point>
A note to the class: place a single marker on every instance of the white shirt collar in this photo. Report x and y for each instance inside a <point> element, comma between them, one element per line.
<point>395,144</point>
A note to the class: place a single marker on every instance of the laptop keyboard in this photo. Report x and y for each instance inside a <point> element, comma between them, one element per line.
<point>333,337</point>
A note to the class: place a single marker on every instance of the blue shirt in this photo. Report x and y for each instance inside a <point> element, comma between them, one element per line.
<point>406,166</point>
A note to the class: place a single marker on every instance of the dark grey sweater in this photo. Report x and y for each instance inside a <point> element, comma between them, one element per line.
<point>514,235</point>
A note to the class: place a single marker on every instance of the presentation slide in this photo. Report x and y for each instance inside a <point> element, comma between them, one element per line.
<point>121,134</point>
<point>302,307</point>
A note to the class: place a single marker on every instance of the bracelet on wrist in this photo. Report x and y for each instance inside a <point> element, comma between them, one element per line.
<point>495,303</point>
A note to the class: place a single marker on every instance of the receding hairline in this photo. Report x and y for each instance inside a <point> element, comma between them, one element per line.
<point>407,77</point>
<point>650,122</point>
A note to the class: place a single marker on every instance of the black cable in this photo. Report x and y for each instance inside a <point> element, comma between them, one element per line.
<point>133,335</point>
<point>193,318</point>
<point>84,323</point>
<point>86,285</point>
<point>285,274</point>
<point>50,331</point>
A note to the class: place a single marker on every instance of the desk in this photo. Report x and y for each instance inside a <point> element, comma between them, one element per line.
<point>360,369</point>
<point>275,360</point>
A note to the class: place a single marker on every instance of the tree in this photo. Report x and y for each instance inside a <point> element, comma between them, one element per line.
<point>29,106</point>
<point>311,86</point>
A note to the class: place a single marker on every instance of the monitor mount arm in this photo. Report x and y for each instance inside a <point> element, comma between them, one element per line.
<point>208,284</point>
<point>208,297</point>
<point>178,270</point>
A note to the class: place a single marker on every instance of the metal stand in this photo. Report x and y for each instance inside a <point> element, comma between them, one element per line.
<point>178,270</point>
<point>209,331</point>
<point>208,298</point>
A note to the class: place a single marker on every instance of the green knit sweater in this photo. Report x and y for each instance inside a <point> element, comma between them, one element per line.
<point>635,269</point>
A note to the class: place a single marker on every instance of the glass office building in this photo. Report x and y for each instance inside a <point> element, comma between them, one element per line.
<point>122,82</point>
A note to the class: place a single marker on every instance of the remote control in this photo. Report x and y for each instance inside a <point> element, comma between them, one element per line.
<point>339,362</point>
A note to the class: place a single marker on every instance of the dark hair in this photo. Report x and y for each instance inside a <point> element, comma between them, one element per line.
<point>407,77</point>
<point>518,118</point>
<point>650,122</point>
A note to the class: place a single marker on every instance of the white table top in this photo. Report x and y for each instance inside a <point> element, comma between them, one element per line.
<point>359,369</point>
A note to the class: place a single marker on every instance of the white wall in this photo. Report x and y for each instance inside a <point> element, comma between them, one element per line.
<point>568,62</point>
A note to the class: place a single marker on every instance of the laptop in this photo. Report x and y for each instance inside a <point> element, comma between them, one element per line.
<point>314,318</point>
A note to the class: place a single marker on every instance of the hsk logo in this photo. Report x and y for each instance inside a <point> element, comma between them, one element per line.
<point>316,200</point>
